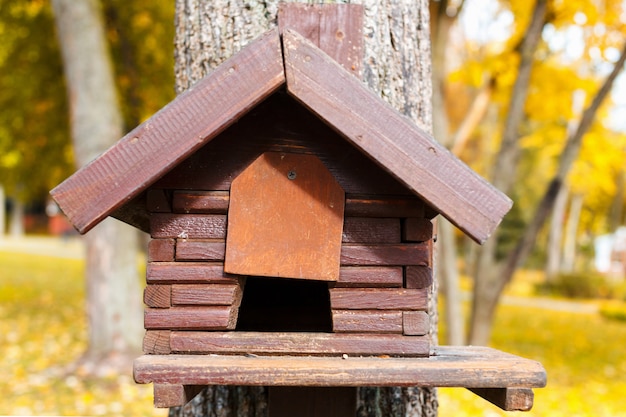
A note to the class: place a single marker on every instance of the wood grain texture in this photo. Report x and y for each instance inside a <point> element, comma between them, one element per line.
<point>207,202</point>
<point>147,152</point>
<point>474,367</point>
<point>378,299</point>
<point>157,342</point>
<point>404,150</point>
<point>367,321</point>
<point>416,229</point>
<point>200,250</point>
<point>174,395</point>
<point>158,296</point>
<point>377,206</point>
<point>206,294</point>
<point>415,323</point>
<point>370,276</point>
<point>371,230</point>
<point>188,226</point>
<point>508,399</point>
<point>285,219</point>
<point>385,254</point>
<point>418,276</point>
<point>296,343</point>
<point>190,318</point>
<point>161,250</point>
<point>336,29</point>
<point>188,272</point>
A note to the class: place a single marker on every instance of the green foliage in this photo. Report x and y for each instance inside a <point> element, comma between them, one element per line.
<point>614,310</point>
<point>583,285</point>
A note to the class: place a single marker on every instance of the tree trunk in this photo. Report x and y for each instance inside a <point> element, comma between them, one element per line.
<point>3,217</point>
<point>571,230</point>
<point>16,225</point>
<point>555,237</point>
<point>396,65</point>
<point>113,290</point>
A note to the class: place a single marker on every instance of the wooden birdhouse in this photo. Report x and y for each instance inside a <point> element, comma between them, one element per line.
<point>290,214</point>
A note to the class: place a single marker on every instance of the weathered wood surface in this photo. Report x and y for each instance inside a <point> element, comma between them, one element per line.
<point>409,153</point>
<point>508,399</point>
<point>417,229</point>
<point>206,294</point>
<point>200,250</point>
<point>157,342</point>
<point>188,226</point>
<point>188,272</point>
<point>193,118</point>
<point>173,395</point>
<point>208,202</point>
<point>190,318</point>
<point>285,219</point>
<point>378,299</point>
<point>161,250</point>
<point>385,254</point>
<point>367,321</point>
<point>473,367</point>
<point>158,296</point>
<point>417,276</point>
<point>370,276</point>
<point>298,343</point>
<point>415,323</point>
<point>371,230</point>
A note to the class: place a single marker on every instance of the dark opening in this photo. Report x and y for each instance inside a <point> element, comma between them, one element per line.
<point>290,305</point>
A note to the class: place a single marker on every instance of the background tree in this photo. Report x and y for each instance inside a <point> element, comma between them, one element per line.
<point>396,65</point>
<point>113,305</point>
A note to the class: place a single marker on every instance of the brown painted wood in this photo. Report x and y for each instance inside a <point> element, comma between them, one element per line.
<point>161,250</point>
<point>207,202</point>
<point>508,399</point>
<point>418,276</point>
<point>174,395</point>
<point>158,296</point>
<point>378,299</point>
<point>285,219</point>
<point>200,250</point>
<point>190,318</point>
<point>312,401</point>
<point>188,272</point>
<point>385,254</point>
<point>336,29</point>
<point>188,226</point>
<point>466,366</point>
<point>370,276</point>
<point>157,342</point>
<point>298,343</point>
<point>371,230</point>
<point>415,323</point>
<point>206,294</point>
<point>417,230</point>
<point>373,206</point>
<point>147,152</point>
<point>406,151</point>
<point>367,321</point>
<point>158,201</point>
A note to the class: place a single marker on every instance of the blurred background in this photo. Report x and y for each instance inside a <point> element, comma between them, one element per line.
<point>529,94</point>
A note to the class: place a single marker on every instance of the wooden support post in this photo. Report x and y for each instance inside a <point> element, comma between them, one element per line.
<point>508,399</point>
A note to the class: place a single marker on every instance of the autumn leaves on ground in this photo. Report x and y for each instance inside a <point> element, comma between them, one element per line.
<point>43,331</point>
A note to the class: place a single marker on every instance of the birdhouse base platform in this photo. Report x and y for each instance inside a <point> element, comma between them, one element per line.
<point>504,379</point>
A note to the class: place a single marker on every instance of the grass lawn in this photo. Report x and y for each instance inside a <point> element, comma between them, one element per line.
<point>43,327</point>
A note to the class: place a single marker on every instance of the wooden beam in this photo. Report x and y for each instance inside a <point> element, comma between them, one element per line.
<point>193,118</point>
<point>474,367</point>
<point>378,299</point>
<point>408,153</point>
<point>508,399</point>
<point>174,395</point>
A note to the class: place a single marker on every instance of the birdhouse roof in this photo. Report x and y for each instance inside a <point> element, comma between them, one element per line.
<point>112,180</point>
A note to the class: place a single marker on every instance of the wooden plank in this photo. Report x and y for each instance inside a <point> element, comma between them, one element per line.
<point>394,141</point>
<point>371,230</point>
<point>188,226</point>
<point>378,299</point>
<point>372,206</point>
<point>174,395</point>
<point>415,323</point>
<point>418,276</point>
<point>161,250</point>
<point>157,201</point>
<point>205,294</point>
<point>157,342</point>
<point>207,202</point>
<point>200,250</point>
<point>336,29</point>
<point>188,272</point>
<point>298,343</point>
<point>370,276</point>
<point>416,229</point>
<point>367,321</point>
<point>158,296</point>
<point>190,318</point>
<point>294,230</point>
<point>508,399</point>
<point>466,366</point>
<point>175,132</point>
<point>385,254</point>
<point>312,401</point>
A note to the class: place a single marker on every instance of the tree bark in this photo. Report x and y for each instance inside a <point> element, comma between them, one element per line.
<point>396,65</point>
<point>113,290</point>
<point>2,212</point>
<point>555,237</point>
